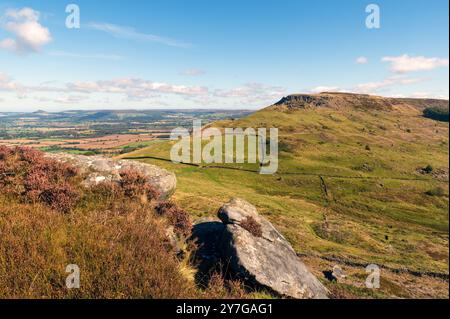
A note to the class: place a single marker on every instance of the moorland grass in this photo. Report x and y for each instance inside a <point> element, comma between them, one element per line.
<point>374,193</point>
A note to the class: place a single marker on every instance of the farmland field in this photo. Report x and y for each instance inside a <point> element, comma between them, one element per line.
<point>98,132</point>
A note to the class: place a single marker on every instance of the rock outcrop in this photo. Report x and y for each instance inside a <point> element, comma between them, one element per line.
<point>100,169</point>
<point>338,100</point>
<point>267,260</point>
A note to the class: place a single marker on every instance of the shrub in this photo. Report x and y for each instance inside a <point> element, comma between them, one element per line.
<point>107,190</point>
<point>119,255</point>
<point>437,113</point>
<point>252,226</point>
<point>132,185</point>
<point>60,197</point>
<point>176,217</point>
<point>27,173</point>
<point>135,185</point>
<point>438,191</point>
<point>428,169</point>
<point>219,287</point>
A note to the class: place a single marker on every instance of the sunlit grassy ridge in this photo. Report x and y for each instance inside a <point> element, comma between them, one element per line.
<point>378,208</point>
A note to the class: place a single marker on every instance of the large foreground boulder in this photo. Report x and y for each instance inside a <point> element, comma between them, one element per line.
<point>257,252</point>
<point>100,169</point>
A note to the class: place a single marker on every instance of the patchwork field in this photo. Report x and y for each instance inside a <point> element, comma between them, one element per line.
<point>109,144</point>
<point>98,132</point>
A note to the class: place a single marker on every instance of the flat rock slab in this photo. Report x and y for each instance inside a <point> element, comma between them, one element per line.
<point>101,169</point>
<point>268,260</point>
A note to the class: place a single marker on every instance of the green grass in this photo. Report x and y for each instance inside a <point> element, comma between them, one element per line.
<point>57,149</point>
<point>388,200</point>
<point>141,144</point>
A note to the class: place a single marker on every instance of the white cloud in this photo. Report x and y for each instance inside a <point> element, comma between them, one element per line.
<point>362,60</point>
<point>320,89</point>
<point>7,84</point>
<point>370,87</point>
<point>28,34</point>
<point>131,34</point>
<point>252,90</point>
<point>427,95</point>
<point>192,72</point>
<point>406,63</point>
<point>66,99</point>
<point>135,88</point>
<point>252,94</point>
<point>71,99</point>
<point>373,87</point>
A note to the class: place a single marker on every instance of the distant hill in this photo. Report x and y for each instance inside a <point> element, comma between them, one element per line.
<point>359,101</point>
<point>99,116</point>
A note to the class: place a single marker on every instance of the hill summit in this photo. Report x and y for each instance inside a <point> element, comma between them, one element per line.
<point>360,101</point>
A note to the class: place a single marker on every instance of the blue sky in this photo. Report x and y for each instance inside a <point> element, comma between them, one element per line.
<point>216,54</point>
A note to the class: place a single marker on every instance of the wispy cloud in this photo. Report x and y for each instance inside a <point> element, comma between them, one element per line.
<point>65,99</point>
<point>389,82</point>
<point>130,33</point>
<point>374,87</point>
<point>428,95</point>
<point>7,84</point>
<point>135,88</point>
<point>252,94</point>
<point>320,89</point>
<point>28,34</point>
<point>86,56</point>
<point>132,88</point>
<point>406,63</point>
<point>362,60</point>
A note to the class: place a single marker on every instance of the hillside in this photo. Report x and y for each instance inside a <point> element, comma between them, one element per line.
<point>362,101</point>
<point>122,234</point>
<point>361,180</point>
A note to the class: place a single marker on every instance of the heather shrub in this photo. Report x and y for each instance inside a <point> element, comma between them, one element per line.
<point>108,191</point>
<point>135,185</point>
<point>176,217</point>
<point>119,245</point>
<point>25,172</point>
<point>132,185</point>
<point>221,288</point>
<point>252,226</point>
<point>119,255</point>
<point>60,197</point>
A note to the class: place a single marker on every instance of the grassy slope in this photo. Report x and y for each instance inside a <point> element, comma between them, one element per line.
<point>114,233</point>
<point>380,219</point>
